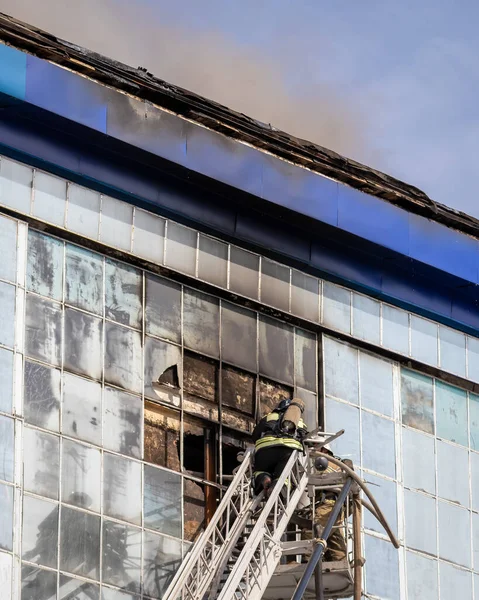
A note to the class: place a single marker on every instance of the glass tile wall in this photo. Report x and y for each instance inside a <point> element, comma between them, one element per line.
<point>128,379</point>
<point>415,439</point>
<point>133,230</point>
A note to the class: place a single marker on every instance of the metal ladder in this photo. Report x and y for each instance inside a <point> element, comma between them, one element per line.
<point>240,548</point>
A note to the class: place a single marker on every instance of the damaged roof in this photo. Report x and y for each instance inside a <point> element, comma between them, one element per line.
<point>142,84</point>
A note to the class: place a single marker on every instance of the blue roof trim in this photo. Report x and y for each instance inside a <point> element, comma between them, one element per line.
<point>396,234</point>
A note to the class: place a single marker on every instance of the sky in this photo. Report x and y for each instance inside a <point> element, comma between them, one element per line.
<point>392,84</point>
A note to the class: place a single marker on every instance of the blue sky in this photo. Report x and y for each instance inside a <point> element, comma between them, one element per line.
<point>391,84</point>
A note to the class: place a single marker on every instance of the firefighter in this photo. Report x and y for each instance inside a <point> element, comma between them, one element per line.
<point>336,550</point>
<point>276,436</point>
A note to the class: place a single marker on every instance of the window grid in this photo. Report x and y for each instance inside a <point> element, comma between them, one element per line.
<point>389,329</point>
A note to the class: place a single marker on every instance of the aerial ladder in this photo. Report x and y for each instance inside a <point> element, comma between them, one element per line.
<point>245,554</point>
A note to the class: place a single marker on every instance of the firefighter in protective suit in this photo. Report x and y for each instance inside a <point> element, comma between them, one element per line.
<point>276,436</point>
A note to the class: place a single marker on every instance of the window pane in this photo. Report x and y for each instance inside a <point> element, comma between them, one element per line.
<point>452,473</point>
<point>275,284</point>
<point>123,357</point>
<point>376,380</point>
<point>83,211</point>
<point>42,469</point>
<point>310,415</point>
<point>378,444</point>
<point>244,272</point>
<point>111,594</point>
<point>40,531</point>
<point>366,318</point>
<point>123,294</point>
<point>473,358</point>
<point>454,582</point>
<point>212,261</point>
<point>81,475</point>
<point>451,411</point>
<point>43,330</point>
<point>396,329</point>
<point>6,568</point>
<point>238,336</point>
<point>6,448</point>
<point>238,389</point>
<point>80,543</point>
<point>336,307</point>
<point>83,343</point>
<point>149,236</point>
<point>452,350</point>
<point>475,540</point>
<point>305,359</point>
<point>15,185</point>
<point>421,577</point>
<point>385,493</point>
<point>6,522</point>
<point>276,349</point>
<point>162,501</point>
<point>45,265</point>
<point>305,296</point>
<point>163,371</point>
<point>161,560</point>
<point>194,509</point>
<point>42,396</point>
<point>475,480</point>
<point>122,418</point>
<point>38,583</point>
<point>7,309</point>
<point>474,420</point>
<point>82,409</point>
<point>6,378</point>
<point>181,248</point>
<point>424,340</point>
<point>341,370</point>
<point>122,488</point>
<point>116,223</point>
<point>49,200</point>
<point>341,416</point>
<point>417,401</point>
<point>421,523</point>
<point>418,461</point>
<point>382,572</point>
<point>8,248</point>
<point>77,589</point>
<point>454,530</point>
<point>201,322</point>
<point>121,564</point>
<point>84,279</point>
<point>163,308</point>
<point>162,437</point>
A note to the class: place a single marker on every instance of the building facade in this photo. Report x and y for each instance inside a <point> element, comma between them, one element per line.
<point>163,284</point>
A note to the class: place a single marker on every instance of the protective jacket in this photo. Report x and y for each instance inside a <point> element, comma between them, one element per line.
<point>267,433</point>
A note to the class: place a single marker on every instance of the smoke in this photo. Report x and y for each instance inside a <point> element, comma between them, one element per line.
<point>206,63</point>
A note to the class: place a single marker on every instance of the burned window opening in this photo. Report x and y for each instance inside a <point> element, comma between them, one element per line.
<point>162,437</point>
<point>200,376</point>
<point>238,389</point>
<point>271,394</point>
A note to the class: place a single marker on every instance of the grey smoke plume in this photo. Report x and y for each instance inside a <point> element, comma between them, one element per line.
<point>206,63</point>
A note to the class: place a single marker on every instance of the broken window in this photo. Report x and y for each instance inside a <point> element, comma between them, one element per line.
<point>162,437</point>
<point>271,394</point>
<point>200,376</point>
<point>163,372</point>
<point>238,389</point>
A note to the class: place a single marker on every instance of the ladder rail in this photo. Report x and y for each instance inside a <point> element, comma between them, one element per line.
<point>250,575</point>
<point>199,566</point>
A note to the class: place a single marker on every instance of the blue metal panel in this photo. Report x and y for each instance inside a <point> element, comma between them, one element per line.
<point>223,159</point>
<point>348,265</point>
<point>143,125</point>
<point>13,72</point>
<point>444,248</point>
<point>273,235</point>
<point>300,190</point>
<point>373,219</point>
<point>65,94</point>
